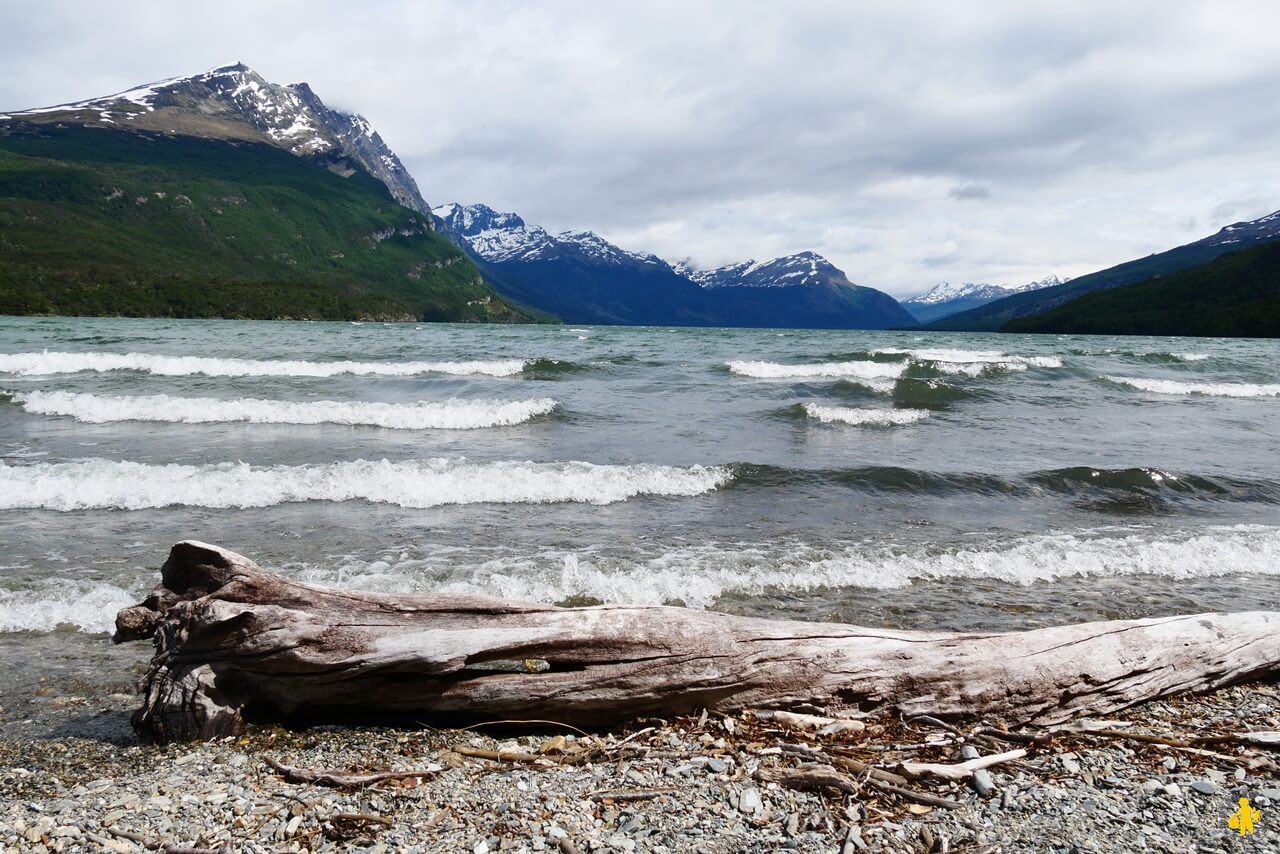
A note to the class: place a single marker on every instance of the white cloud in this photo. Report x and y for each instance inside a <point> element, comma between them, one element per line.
<point>909,142</point>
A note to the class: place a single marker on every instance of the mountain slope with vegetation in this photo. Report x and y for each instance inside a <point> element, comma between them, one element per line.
<point>993,316</point>
<point>102,221</point>
<point>1238,295</point>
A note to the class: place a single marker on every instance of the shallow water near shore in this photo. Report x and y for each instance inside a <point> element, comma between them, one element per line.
<point>940,480</point>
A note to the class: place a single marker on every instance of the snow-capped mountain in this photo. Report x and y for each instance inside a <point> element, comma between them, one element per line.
<point>947,298</point>
<point>501,237</point>
<point>804,268</point>
<point>1262,230</point>
<point>235,102</point>
<point>584,278</point>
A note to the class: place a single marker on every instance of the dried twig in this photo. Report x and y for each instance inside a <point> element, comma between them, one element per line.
<point>1036,738</point>
<point>145,841</point>
<point>958,771</point>
<point>913,795</point>
<point>524,723</point>
<point>630,794</point>
<point>343,779</point>
<point>822,725</point>
<point>361,817</point>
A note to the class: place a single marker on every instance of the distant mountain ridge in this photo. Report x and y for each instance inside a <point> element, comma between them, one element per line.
<point>235,102</point>
<point>947,298</point>
<point>584,278</point>
<point>1235,295</point>
<point>995,315</point>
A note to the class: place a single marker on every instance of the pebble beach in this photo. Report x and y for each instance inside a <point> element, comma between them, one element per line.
<point>74,779</point>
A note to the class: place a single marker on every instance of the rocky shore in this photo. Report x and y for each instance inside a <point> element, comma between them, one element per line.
<point>701,784</point>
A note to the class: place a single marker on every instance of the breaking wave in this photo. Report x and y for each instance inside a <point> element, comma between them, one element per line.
<point>48,362</point>
<point>106,484</point>
<point>422,415</point>
<point>699,576</point>
<point>1207,389</point>
<point>877,375</point>
<point>89,606</point>
<point>863,417</point>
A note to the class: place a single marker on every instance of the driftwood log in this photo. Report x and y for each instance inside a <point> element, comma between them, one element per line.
<point>234,642</point>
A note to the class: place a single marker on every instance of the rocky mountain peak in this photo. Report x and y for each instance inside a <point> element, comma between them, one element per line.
<point>798,270</point>
<point>235,102</point>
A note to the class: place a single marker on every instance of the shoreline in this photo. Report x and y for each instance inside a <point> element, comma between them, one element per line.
<point>698,784</point>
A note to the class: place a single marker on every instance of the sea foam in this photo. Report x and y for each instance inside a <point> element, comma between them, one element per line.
<point>48,362</point>
<point>1208,389</point>
<point>819,370</point>
<point>864,417</point>
<point>700,575</point>
<point>107,484</point>
<point>973,362</point>
<point>421,415</point>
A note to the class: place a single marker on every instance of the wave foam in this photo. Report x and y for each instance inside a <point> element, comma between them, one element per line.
<point>1208,389</point>
<point>820,370</point>
<point>864,417</point>
<point>422,415</point>
<point>47,363</point>
<point>699,576</point>
<point>973,362</point>
<point>89,606</point>
<point>106,484</point>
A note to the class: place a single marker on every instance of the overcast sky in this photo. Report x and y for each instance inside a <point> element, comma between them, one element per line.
<point>910,143</point>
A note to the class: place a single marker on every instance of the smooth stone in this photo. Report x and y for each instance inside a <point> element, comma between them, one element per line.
<point>1204,787</point>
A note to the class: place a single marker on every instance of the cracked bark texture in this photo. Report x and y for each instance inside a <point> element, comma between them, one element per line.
<point>235,642</point>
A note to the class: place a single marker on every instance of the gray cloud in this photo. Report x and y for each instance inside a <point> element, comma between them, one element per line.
<point>965,192</point>
<point>1091,132</point>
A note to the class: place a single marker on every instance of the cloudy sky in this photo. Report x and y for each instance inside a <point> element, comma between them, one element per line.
<point>910,143</point>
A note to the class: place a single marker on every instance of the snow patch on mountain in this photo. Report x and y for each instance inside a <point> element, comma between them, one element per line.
<point>945,292</point>
<point>504,237</point>
<point>801,269</point>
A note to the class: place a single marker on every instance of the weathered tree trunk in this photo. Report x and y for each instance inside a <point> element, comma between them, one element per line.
<point>234,642</point>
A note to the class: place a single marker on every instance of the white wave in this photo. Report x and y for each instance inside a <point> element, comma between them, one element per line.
<point>963,361</point>
<point>421,415</point>
<point>699,576</point>
<point>47,363</point>
<point>824,370</point>
<point>90,606</point>
<point>864,417</point>
<point>1190,357</point>
<point>1209,389</point>
<point>106,484</point>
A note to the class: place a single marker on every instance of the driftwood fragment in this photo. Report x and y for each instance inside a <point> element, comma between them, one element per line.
<point>343,779</point>
<point>958,771</point>
<point>235,642</point>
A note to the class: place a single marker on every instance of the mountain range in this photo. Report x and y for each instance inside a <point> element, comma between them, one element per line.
<point>225,195</point>
<point>583,278</point>
<point>948,298</point>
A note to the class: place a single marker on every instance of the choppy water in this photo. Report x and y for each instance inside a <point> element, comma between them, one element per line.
<point>939,480</point>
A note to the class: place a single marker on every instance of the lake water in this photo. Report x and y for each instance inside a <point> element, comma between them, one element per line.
<point>936,480</point>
